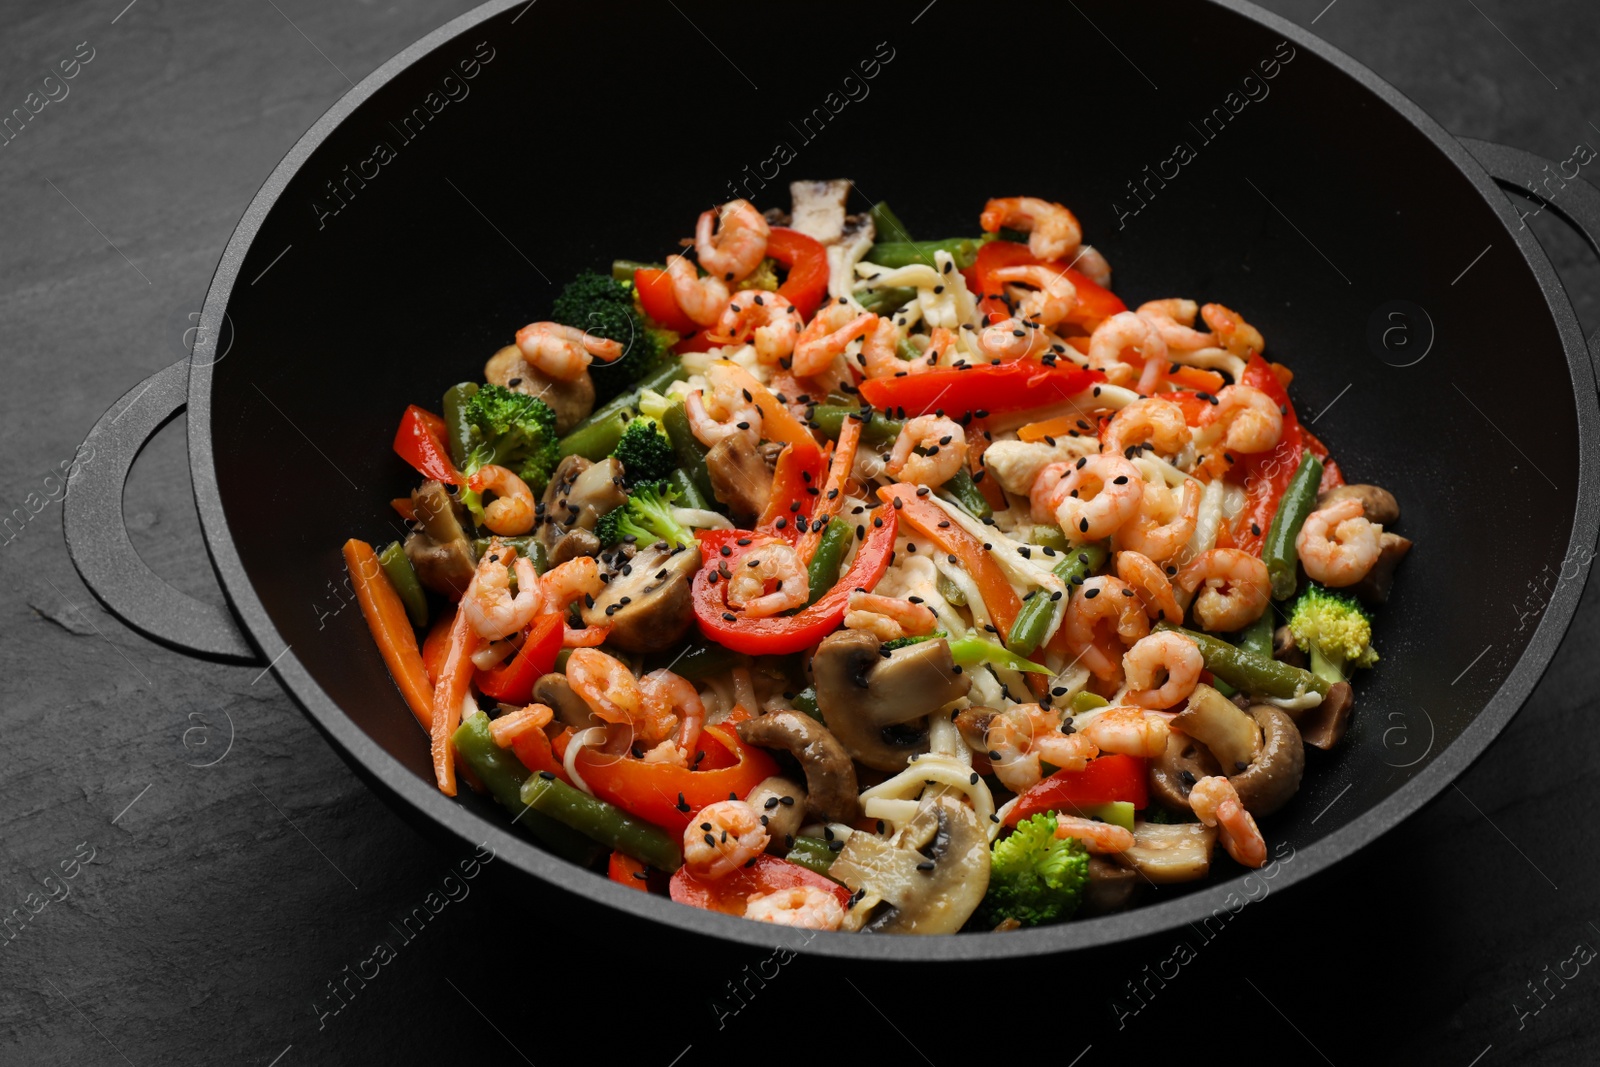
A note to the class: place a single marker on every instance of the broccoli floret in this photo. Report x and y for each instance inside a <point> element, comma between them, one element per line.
<point>647,517</point>
<point>514,430</point>
<point>1335,631</point>
<point>645,453</point>
<point>601,305</point>
<point>764,276</point>
<point>1034,876</point>
<point>902,642</point>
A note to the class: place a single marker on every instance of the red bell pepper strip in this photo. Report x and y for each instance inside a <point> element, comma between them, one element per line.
<point>655,296</point>
<point>1102,781</point>
<point>807,263</point>
<point>925,518</point>
<point>765,874</point>
<point>420,442</point>
<point>534,749</point>
<point>1094,303</point>
<point>512,681</point>
<point>1015,386</point>
<point>797,477</point>
<point>1265,475</point>
<point>625,870</point>
<point>669,796</point>
<point>782,634</point>
<point>455,677</point>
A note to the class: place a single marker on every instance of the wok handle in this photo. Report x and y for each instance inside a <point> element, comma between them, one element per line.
<point>97,531</point>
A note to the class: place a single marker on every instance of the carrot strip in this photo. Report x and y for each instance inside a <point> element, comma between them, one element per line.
<point>507,728</point>
<point>1198,378</point>
<point>777,421</point>
<point>1056,427</point>
<point>831,501</point>
<point>404,507</point>
<point>925,518</point>
<point>455,677</point>
<point>978,442</point>
<point>797,471</point>
<point>386,618</point>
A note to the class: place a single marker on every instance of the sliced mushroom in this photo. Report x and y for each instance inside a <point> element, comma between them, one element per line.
<point>931,875</point>
<point>817,208</point>
<point>578,494</point>
<point>739,475</point>
<point>646,600</point>
<point>782,804</point>
<point>440,551</point>
<point>864,696</point>
<point>574,543</point>
<point>1323,726</point>
<point>556,693</point>
<point>1175,772</point>
<point>831,790</point>
<point>1110,888</point>
<point>572,401</point>
<point>1166,853</point>
<point>1274,775</point>
<point>1374,588</point>
<point>1377,504</point>
<point>1230,734</point>
<point>973,723</point>
<point>1285,649</point>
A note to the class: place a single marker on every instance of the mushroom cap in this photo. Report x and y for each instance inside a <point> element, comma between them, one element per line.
<point>655,583</point>
<point>740,477</point>
<point>440,551</point>
<point>782,804</point>
<point>832,793</point>
<point>1175,771</point>
<point>1274,775</point>
<point>1323,726</point>
<point>860,692</point>
<point>572,401</point>
<point>933,873</point>
<point>1377,503</point>
<point>556,693</point>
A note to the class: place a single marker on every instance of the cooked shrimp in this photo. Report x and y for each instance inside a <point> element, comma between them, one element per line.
<point>722,838</point>
<point>803,906</point>
<point>1231,331</point>
<point>1096,836</point>
<point>1245,418</point>
<point>776,562</point>
<point>767,317</point>
<point>729,409</point>
<point>1023,735</point>
<point>1236,589</point>
<point>1174,318</point>
<point>834,327</point>
<point>1092,265</point>
<point>1052,296</point>
<point>1090,499</point>
<point>564,352</point>
<point>1146,578</point>
<point>880,356</point>
<point>1053,231</point>
<point>890,618</point>
<point>1216,803</point>
<point>1124,330</point>
<point>1170,658</point>
<point>671,703</point>
<point>1165,522</point>
<point>569,582</point>
<point>943,443</point>
<point>1103,619</point>
<point>736,248</point>
<point>1013,339</point>
<point>491,609</point>
<point>607,685</point>
<point>511,512</point>
<point>702,299</point>
<point>1128,731</point>
<point>1148,420</point>
<point>1337,544</point>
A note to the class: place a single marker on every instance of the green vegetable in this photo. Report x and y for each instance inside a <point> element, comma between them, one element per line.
<point>1249,672</point>
<point>647,516</point>
<point>512,430</point>
<point>1033,620</point>
<point>1299,499</point>
<point>883,301</point>
<point>457,426</point>
<point>504,775</point>
<point>876,429</point>
<point>688,493</point>
<point>1050,537</point>
<point>602,822</point>
<point>600,305</point>
<point>526,546</point>
<point>950,590</point>
<point>595,438</point>
<point>652,405</point>
<point>623,270</point>
<point>1086,701</point>
<point>892,254</point>
<point>971,651</point>
<point>1257,637</point>
<point>961,489</point>
<point>703,658</point>
<point>397,568</point>
<point>823,571</point>
<point>764,277</point>
<point>1335,631</point>
<point>1034,876</point>
<point>645,453</point>
<point>902,642</point>
<point>691,453</point>
<point>1223,687</point>
<point>812,853</point>
<point>1115,812</point>
<point>886,224</point>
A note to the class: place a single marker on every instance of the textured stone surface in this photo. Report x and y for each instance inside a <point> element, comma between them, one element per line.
<point>222,900</point>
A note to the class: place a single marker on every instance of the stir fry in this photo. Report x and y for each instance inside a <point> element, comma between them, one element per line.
<point>841,580</point>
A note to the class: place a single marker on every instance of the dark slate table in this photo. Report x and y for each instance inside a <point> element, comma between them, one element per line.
<point>206,871</point>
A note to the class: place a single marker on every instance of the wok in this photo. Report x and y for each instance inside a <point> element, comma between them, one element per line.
<point>440,204</point>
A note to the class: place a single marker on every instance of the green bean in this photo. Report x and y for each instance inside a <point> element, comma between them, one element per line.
<point>603,422</point>
<point>602,822</point>
<point>1050,537</point>
<point>971,651</point>
<point>397,568</point>
<point>895,254</point>
<point>504,776</point>
<point>907,351</point>
<point>561,660</point>
<point>596,438</point>
<point>950,590</point>
<point>1257,637</point>
<point>876,429</point>
<point>886,223</point>
<point>691,453</point>
<point>882,301</point>
<point>1222,687</point>
<point>703,658</point>
<point>688,493</point>
<point>526,546</point>
<point>622,269</point>
<point>1299,500</point>
<point>805,701</point>
<point>1033,620</point>
<point>457,428</point>
<point>823,570</point>
<point>964,491</point>
<point>812,853</point>
<point>1250,672</point>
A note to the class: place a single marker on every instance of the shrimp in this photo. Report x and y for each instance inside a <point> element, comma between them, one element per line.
<point>1216,803</point>
<point>1092,265</point>
<point>1023,735</point>
<point>1161,529</point>
<point>702,299</point>
<point>566,583</point>
<point>1099,603</point>
<point>776,562</point>
<point>880,357</point>
<point>1169,657</point>
<point>1174,319</point>
<point>1150,583</point>
<point>1128,731</point>
<point>890,618</point>
<point>722,838</point>
<point>511,512</point>
<point>607,685</point>
<point>1246,418</point>
<point>768,317</point>
<point>739,243</point>
<point>834,327</point>
<point>1052,297</point>
<point>1053,231</point>
<point>564,352</point>
<point>1148,420</point>
<point>731,409</point>
<point>1127,329</point>
<point>944,443</point>
<point>1091,499</point>
<point>671,702</point>
<point>1013,339</point>
<point>1229,329</point>
<point>491,609</point>
<point>1096,836</point>
<point>1236,589</point>
<point>1338,545</point>
<point>803,906</point>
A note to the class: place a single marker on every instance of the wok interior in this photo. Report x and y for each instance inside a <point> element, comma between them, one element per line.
<point>552,159</point>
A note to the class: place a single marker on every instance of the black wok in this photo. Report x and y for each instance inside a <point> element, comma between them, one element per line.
<point>1435,350</point>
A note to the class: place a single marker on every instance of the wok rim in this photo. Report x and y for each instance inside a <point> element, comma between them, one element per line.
<point>403,789</point>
